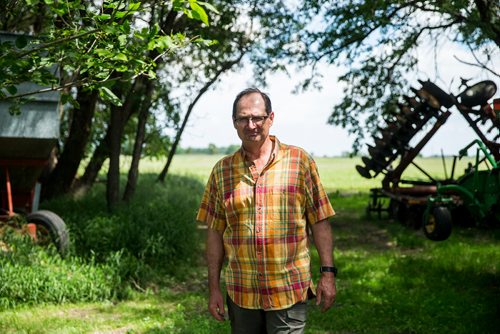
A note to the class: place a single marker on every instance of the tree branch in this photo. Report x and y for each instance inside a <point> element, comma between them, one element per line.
<point>478,62</point>
<point>50,44</point>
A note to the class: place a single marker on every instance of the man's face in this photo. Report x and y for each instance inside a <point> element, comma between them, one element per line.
<point>255,129</point>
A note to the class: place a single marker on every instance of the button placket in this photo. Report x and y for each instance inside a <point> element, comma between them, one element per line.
<point>260,239</point>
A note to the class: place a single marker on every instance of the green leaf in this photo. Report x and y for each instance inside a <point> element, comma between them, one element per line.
<point>103,17</point>
<point>198,12</point>
<point>133,7</point>
<point>122,14</point>
<point>208,6</point>
<point>120,56</point>
<point>122,39</point>
<point>152,74</point>
<point>108,96</point>
<point>164,42</point>
<point>21,42</point>
<point>103,53</point>
<point>12,90</point>
<point>206,42</point>
<point>154,30</point>
<point>68,98</point>
<point>122,68</point>
<point>177,5</point>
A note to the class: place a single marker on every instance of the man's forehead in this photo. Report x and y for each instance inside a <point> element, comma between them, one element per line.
<point>251,100</point>
<point>252,97</point>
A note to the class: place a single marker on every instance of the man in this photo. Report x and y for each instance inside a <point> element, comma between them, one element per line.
<point>258,204</point>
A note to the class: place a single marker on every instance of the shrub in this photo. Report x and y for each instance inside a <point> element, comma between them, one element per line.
<point>141,242</point>
<point>156,229</point>
<point>30,275</point>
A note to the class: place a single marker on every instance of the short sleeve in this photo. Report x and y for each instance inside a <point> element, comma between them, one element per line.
<point>318,205</point>
<point>211,210</point>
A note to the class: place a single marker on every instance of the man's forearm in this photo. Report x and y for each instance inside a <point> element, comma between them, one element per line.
<point>215,258</point>
<point>322,234</point>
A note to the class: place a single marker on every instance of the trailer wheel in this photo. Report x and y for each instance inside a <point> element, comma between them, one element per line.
<point>437,223</point>
<point>50,228</point>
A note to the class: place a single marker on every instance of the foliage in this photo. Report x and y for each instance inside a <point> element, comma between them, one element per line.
<point>377,41</point>
<point>155,231</point>
<point>33,275</point>
<point>138,246</point>
<point>95,44</point>
<point>210,149</point>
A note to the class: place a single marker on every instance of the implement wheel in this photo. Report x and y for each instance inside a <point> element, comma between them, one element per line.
<point>50,228</point>
<point>437,223</point>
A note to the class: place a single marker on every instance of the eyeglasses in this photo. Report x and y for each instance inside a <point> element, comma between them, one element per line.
<point>256,120</point>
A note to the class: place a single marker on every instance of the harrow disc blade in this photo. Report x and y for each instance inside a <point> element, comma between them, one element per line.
<point>444,98</point>
<point>478,94</point>
<point>363,172</point>
<point>427,97</point>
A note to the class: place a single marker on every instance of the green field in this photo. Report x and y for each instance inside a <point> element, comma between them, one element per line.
<point>337,174</point>
<point>391,278</point>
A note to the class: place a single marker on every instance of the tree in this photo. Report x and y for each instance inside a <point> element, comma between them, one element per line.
<point>377,41</point>
<point>98,48</point>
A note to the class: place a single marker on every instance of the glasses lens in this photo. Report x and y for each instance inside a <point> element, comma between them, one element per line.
<point>257,120</point>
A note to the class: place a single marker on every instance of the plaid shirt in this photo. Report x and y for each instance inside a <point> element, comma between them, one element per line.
<point>263,219</point>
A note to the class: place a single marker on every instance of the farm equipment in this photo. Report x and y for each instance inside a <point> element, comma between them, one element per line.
<point>26,142</point>
<point>435,204</point>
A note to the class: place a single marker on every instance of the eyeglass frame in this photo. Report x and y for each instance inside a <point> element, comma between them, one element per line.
<point>249,119</point>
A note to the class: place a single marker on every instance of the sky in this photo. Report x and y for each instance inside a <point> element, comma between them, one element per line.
<point>301,119</point>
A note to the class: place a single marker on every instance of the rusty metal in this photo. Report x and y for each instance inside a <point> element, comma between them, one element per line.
<point>430,104</point>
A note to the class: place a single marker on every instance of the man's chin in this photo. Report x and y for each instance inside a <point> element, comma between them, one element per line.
<point>256,137</point>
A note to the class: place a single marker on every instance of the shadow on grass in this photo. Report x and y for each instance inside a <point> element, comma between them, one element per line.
<point>410,295</point>
<point>393,280</point>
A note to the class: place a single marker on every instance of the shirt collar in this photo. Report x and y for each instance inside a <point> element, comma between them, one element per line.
<point>274,154</point>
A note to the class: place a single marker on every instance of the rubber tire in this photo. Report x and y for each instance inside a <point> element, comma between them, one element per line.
<point>437,223</point>
<point>55,226</point>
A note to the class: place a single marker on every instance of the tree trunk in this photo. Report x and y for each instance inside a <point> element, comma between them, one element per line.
<point>61,178</point>
<point>133,173</point>
<point>225,67</point>
<point>115,136</point>
<point>102,151</point>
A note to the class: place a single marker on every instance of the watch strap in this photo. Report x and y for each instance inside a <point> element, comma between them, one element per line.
<point>328,269</point>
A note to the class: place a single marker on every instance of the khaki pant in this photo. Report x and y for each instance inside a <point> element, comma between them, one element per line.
<point>288,321</point>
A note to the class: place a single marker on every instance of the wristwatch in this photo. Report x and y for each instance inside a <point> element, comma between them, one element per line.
<point>326,269</point>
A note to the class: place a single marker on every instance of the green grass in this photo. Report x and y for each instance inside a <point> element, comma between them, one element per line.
<point>391,279</point>
<point>337,174</point>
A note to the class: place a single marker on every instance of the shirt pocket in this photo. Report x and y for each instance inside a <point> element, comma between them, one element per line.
<point>238,205</point>
<point>288,202</point>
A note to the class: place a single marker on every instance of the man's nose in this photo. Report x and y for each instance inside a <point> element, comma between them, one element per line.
<point>251,124</point>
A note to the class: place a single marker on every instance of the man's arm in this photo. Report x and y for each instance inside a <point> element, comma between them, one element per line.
<point>215,258</point>
<point>326,290</point>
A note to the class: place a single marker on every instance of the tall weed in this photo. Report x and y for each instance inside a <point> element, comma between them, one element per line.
<point>141,242</point>
<point>33,275</point>
<point>156,231</point>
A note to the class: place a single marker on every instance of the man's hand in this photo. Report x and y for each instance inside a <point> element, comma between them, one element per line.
<point>216,305</point>
<point>326,291</point>
<point>215,256</point>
